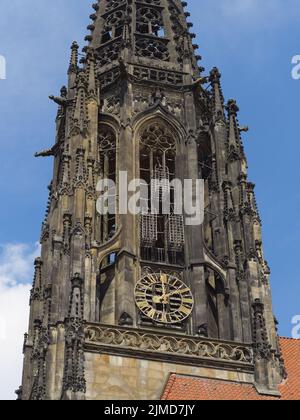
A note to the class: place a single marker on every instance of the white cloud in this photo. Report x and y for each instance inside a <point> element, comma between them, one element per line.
<point>16,269</point>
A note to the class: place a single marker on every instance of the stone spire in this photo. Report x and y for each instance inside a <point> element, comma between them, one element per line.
<point>234,138</point>
<point>156,31</point>
<point>218,98</point>
<point>73,67</point>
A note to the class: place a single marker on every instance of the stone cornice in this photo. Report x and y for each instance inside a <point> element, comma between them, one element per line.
<point>181,349</point>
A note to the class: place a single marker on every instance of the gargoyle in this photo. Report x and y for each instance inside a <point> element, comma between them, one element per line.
<point>59,100</point>
<point>198,82</point>
<point>62,99</point>
<point>201,81</point>
<point>47,152</point>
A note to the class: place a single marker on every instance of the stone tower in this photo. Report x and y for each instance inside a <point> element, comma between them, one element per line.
<point>120,301</point>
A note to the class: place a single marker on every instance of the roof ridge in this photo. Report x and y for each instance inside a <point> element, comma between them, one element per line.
<point>289,338</point>
<point>175,376</point>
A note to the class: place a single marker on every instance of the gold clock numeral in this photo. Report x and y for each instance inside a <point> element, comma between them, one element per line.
<point>152,279</point>
<point>143,305</point>
<point>140,293</point>
<point>164,278</point>
<point>187,301</point>
<point>182,291</point>
<point>184,310</point>
<point>163,318</point>
<point>151,313</point>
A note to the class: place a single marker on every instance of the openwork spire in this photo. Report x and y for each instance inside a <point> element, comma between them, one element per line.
<point>142,30</point>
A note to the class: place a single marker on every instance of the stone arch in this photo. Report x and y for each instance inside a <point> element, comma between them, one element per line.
<point>218,308</point>
<point>161,235</point>
<point>107,163</point>
<point>205,155</point>
<point>160,114</point>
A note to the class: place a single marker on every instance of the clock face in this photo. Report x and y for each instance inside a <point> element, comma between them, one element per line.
<point>164,298</point>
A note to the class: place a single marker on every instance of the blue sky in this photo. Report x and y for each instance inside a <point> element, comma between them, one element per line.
<point>251,41</point>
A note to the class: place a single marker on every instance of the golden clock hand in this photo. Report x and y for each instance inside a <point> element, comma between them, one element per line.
<point>179,291</point>
<point>159,299</point>
<point>163,279</point>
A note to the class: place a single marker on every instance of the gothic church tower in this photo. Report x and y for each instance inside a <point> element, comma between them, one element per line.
<point>121,301</point>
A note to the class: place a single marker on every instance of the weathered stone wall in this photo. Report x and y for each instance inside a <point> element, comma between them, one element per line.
<point>123,378</point>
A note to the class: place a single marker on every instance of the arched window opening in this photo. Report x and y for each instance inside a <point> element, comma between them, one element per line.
<point>105,291</point>
<point>217,306</point>
<point>113,26</point>
<point>212,306</point>
<point>162,235</point>
<point>205,157</point>
<point>107,166</point>
<point>208,172</point>
<point>150,21</point>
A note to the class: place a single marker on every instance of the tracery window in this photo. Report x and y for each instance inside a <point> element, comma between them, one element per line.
<point>107,168</point>
<point>152,48</point>
<point>113,26</point>
<point>161,235</point>
<point>150,21</point>
<point>109,52</point>
<point>113,4</point>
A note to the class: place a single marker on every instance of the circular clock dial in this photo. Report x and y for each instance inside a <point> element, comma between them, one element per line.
<point>164,298</point>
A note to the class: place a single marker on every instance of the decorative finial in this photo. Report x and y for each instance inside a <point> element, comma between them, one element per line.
<point>74,57</point>
<point>232,107</point>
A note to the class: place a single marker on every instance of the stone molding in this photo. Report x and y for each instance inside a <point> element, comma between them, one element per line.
<point>181,349</point>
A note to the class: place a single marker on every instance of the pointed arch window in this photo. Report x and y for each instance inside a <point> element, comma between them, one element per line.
<point>105,289</point>
<point>107,170</point>
<point>212,286</point>
<point>114,24</point>
<point>218,319</point>
<point>150,21</point>
<point>161,235</point>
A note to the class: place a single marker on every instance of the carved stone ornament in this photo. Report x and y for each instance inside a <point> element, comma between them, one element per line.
<point>157,346</point>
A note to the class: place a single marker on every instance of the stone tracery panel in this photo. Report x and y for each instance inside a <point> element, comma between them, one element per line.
<point>113,4</point>
<point>109,53</point>
<point>113,26</point>
<point>156,136</point>
<point>161,76</point>
<point>149,21</point>
<point>152,48</point>
<point>107,142</point>
<point>109,77</point>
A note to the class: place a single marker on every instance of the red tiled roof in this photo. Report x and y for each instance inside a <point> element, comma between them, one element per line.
<point>195,388</point>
